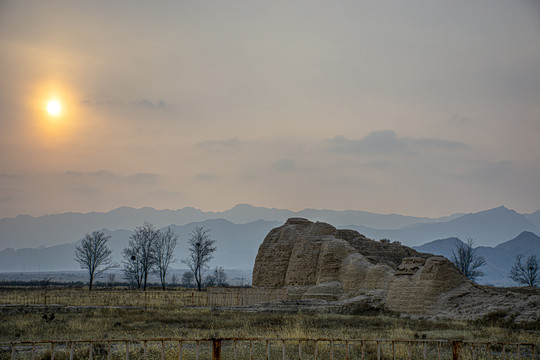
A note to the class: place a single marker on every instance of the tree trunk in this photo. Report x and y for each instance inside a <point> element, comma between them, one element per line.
<point>91,282</point>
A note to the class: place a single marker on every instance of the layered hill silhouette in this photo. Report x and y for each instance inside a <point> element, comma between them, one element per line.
<point>499,259</point>
<point>27,231</point>
<point>47,243</point>
<point>487,228</point>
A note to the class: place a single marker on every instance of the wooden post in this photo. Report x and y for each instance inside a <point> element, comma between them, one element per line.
<point>456,350</point>
<point>216,345</point>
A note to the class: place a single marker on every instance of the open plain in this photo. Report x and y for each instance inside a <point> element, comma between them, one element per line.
<point>106,324</point>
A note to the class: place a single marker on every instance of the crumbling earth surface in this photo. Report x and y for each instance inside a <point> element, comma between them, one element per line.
<point>328,269</point>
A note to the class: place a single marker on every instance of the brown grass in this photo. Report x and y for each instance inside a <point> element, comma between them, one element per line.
<point>136,315</point>
<point>27,323</point>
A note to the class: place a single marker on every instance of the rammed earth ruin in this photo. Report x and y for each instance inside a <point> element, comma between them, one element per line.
<point>316,261</point>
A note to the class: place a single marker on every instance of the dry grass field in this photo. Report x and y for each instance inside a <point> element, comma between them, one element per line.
<point>120,323</point>
<point>81,322</point>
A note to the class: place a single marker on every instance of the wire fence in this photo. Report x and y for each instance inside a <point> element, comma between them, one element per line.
<point>152,298</point>
<point>79,297</point>
<point>265,348</point>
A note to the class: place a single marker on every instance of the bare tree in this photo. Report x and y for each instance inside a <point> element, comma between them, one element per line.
<point>221,276</point>
<point>174,279</point>
<point>94,255</point>
<point>46,282</point>
<point>527,273</point>
<point>464,256</point>
<point>111,279</point>
<point>187,279</point>
<point>201,248</point>
<point>163,252</point>
<point>217,278</point>
<point>139,257</point>
<point>209,280</point>
<point>132,266</point>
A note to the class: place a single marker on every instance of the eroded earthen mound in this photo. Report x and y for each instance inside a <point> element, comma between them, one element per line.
<point>318,261</point>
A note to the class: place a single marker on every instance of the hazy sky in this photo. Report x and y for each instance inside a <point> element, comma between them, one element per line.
<point>415,107</point>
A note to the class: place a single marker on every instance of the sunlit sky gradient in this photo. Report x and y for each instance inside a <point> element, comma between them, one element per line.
<point>415,107</point>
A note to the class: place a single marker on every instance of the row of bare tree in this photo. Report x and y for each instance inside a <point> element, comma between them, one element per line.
<point>149,251</point>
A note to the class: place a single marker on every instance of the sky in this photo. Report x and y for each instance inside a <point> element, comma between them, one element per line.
<point>417,107</point>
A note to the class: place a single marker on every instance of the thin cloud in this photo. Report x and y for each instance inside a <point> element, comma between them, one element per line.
<point>84,189</point>
<point>460,119</point>
<point>387,142</point>
<point>481,170</point>
<point>437,143</point>
<point>100,103</point>
<point>94,174</point>
<point>219,145</point>
<point>205,177</point>
<point>160,104</point>
<point>378,164</point>
<point>7,198</point>
<point>284,165</point>
<point>164,194</point>
<point>143,178</point>
<point>141,103</point>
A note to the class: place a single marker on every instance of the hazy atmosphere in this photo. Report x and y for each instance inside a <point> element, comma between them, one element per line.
<point>414,107</point>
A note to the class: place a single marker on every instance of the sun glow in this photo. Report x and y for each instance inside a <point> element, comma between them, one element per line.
<point>54,107</point>
<point>54,113</point>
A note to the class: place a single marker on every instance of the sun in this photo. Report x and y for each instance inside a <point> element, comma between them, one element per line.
<point>54,107</point>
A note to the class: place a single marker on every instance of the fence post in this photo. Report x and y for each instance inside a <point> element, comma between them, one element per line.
<point>456,350</point>
<point>216,346</point>
<point>162,349</point>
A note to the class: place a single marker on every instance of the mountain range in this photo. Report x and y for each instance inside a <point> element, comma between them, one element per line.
<point>47,243</point>
<point>27,231</point>
<point>499,259</point>
<point>487,228</point>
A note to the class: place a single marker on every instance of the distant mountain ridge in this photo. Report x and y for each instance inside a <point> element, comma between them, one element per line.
<point>489,228</point>
<point>39,248</point>
<point>534,218</point>
<point>499,259</point>
<point>48,230</point>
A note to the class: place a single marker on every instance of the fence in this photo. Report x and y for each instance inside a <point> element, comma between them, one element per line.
<point>176,298</point>
<point>218,296</point>
<point>80,297</point>
<point>264,348</point>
